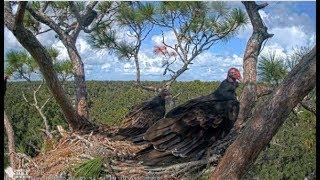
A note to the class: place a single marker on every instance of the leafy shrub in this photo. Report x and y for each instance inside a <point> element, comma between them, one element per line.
<point>89,169</point>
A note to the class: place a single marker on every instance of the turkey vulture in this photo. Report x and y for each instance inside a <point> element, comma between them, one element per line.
<point>187,130</point>
<point>142,116</point>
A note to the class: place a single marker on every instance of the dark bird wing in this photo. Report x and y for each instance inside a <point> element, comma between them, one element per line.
<point>183,133</point>
<point>136,109</point>
<point>198,126</point>
<point>189,104</point>
<point>142,116</point>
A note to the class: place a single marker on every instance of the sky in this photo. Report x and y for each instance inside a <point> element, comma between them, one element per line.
<point>292,23</point>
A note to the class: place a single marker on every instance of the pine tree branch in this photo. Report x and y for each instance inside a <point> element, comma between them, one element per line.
<point>41,17</point>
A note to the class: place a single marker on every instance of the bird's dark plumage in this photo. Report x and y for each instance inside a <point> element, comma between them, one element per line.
<point>193,126</point>
<point>142,116</point>
<point>88,18</point>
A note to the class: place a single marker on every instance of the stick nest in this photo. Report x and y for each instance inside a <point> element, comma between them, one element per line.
<point>118,158</point>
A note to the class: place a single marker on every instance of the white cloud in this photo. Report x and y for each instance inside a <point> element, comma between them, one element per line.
<point>10,42</point>
<point>155,70</point>
<point>289,37</point>
<point>289,31</point>
<point>128,66</point>
<point>275,48</point>
<point>263,15</point>
<point>106,66</point>
<point>82,46</point>
<point>63,53</point>
<point>245,33</point>
<point>169,38</point>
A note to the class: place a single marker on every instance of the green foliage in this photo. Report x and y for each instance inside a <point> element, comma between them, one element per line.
<point>31,23</point>
<point>271,69</point>
<point>132,15</point>
<point>89,169</point>
<point>64,69</point>
<point>21,63</point>
<point>63,5</point>
<point>219,6</point>
<point>104,6</point>
<point>291,153</point>
<point>53,53</point>
<point>193,19</point>
<point>296,56</point>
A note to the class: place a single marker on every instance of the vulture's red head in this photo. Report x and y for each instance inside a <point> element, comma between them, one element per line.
<point>234,74</point>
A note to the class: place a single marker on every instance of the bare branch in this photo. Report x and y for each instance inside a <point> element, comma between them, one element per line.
<point>91,5</point>
<point>45,103</point>
<point>255,18</point>
<point>80,18</point>
<point>35,94</point>
<point>148,32</point>
<point>45,6</point>
<point>261,6</point>
<point>44,31</point>
<point>25,99</point>
<point>76,31</point>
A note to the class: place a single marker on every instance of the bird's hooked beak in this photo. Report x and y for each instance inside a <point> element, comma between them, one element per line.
<point>239,77</point>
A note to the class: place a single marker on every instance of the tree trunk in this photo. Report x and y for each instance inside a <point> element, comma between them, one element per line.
<point>79,78</point>
<point>137,64</point>
<point>267,119</point>
<point>249,93</point>
<point>43,59</point>
<point>11,142</point>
